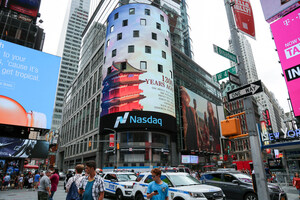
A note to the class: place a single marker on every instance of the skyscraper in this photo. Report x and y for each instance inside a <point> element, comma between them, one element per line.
<point>77,20</point>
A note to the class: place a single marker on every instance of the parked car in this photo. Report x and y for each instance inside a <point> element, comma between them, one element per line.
<point>238,186</point>
<point>182,186</point>
<point>62,175</point>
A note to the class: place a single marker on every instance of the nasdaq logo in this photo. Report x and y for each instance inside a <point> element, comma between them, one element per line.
<point>121,120</point>
<point>145,120</point>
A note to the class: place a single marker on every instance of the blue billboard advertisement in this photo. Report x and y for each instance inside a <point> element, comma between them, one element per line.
<point>28,80</point>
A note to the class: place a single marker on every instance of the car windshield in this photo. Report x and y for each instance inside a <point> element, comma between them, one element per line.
<point>183,180</point>
<point>244,178</point>
<point>126,177</point>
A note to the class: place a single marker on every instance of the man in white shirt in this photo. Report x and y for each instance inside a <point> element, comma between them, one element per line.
<point>77,178</point>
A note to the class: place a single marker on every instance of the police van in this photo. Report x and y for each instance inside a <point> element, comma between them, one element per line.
<point>182,186</point>
<point>119,183</point>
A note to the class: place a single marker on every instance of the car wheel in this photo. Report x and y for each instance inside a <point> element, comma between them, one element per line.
<point>250,196</point>
<point>119,195</point>
<point>139,196</point>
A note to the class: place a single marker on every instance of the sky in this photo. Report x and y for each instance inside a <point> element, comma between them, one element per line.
<point>208,22</point>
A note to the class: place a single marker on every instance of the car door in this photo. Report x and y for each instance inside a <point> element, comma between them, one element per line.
<point>232,190</point>
<point>214,179</point>
<point>108,184</point>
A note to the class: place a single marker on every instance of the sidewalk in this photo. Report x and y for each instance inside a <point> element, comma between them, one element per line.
<point>292,192</point>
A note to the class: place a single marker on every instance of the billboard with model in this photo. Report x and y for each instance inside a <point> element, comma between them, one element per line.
<point>286,35</point>
<point>27,7</point>
<point>28,80</point>
<point>200,123</point>
<point>137,70</point>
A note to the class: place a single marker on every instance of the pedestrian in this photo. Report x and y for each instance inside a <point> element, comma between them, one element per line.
<point>6,181</point>
<point>92,185</point>
<point>21,179</point>
<point>36,180</point>
<point>157,189</point>
<point>30,182</point>
<point>54,182</point>
<point>268,173</point>
<point>73,184</point>
<point>296,182</point>
<point>44,187</point>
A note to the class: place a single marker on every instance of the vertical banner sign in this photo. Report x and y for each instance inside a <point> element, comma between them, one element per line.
<point>286,33</point>
<point>244,17</point>
<point>111,140</point>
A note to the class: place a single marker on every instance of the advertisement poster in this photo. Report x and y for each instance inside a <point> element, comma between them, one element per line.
<point>274,9</point>
<point>200,123</point>
<point>244,17</point>
<point>138,72</point>
<point>286,33</point>
<point>23,148</point>
<point>28,81</point>
<point>27,7</point>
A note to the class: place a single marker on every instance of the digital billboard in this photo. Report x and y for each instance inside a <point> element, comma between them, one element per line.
<point>137,71</point>
<point>274,9</point>
<point>28,80</point>
<point>23,148</point>
<point>27,7</point>
<point>189,159</point>
<point>286,33</point>
<point>200,122</point>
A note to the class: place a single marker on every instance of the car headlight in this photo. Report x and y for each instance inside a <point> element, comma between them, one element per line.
<point>276,190</point>
<point>128,186</point>
<point>196,194</point>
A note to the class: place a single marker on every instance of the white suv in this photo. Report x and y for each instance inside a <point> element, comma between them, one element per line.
<point>119,184</point>
<point>182,186</point>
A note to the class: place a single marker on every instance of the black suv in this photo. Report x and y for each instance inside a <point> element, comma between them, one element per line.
<point>238,186</point>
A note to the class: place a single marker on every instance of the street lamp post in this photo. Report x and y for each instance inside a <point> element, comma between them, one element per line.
<point>115,144</point>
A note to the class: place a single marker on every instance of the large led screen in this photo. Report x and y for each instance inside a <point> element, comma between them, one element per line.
<point>200,123</point>
<point>23,148</point>
<point>286,33</point>
<point>28,80</point>
<point>27,7</point>
<point>137,73</point>
<point>274,9</point>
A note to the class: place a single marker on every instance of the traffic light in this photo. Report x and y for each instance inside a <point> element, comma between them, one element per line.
<point>231,127</point>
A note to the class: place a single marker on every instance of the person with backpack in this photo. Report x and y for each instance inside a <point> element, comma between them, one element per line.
<point>73,183</point>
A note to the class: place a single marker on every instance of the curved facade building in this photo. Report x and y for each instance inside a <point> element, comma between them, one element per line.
<point>137,86</point>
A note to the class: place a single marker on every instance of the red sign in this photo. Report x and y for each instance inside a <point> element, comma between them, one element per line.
<point>244,17</point>
<point>111,140</point>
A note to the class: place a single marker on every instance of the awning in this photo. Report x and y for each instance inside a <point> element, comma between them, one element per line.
<point>31,166</point>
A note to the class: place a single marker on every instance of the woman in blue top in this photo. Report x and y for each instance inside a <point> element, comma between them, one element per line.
<point>157,189</point>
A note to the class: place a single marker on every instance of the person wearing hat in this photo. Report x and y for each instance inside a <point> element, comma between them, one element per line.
<point>44,188</point>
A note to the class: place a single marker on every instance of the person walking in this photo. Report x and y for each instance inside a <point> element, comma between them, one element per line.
<point>6,181</point>
<point>54,182</point>
<point>73,184</point>
<point>36,180</point>
<point>296,182</point>
<point>30,182</point>
<point>21,180</point>
<point>44,187</point>
<point>92,185</point>
<point>157,189</point>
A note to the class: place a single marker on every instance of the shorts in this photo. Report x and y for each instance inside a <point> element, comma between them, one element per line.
<point>5,183</point>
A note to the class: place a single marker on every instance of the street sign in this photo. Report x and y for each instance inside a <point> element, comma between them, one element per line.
<point>224,74</point>
<point>234,79</point>
<point>244,91</point>
<point>225,54</point>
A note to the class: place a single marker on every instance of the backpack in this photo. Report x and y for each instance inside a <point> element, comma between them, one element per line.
<point>73,192</point>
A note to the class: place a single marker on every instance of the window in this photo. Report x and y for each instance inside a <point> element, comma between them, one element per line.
<point>162,18</point>
<point>143,22</point>
<point>112,28</point>
<point>143,65</point>
<point>131,11</point>
<point>123,65</point>
<point>147,12</point>
<point>131,49</point>
<point>125,22</point>
<point>136,33</point>
<point>107,43</point>
<point>229,178</point>
<point>163,54</point>
<point>114,53</point>
<point>119,36</point>
<point>160,68</point>
<point>166,42</point>
<point>147,49</point>
<point>116,16</point>
<point>154,36</point>
<point>213,177</point>
<point>158,26</point>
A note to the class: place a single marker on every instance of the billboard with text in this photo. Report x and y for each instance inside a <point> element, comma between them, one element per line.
<point>28,80</point>
<point>27,7</point>
<point>286,33</point>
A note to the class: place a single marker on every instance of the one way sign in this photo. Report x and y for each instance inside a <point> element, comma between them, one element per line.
<point>244,91</point>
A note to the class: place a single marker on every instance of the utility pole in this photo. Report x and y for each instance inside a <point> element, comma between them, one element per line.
<point>115,144</point>
<point>262,188</point>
